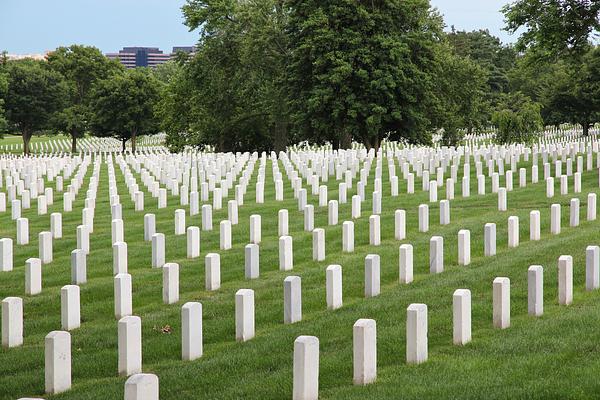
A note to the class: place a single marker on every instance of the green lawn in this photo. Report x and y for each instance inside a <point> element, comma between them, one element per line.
<point>17,142</point>
<point>554,356</point>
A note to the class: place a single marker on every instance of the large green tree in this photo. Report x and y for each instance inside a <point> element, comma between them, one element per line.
<point>553,27</point>
<point>235,79</point>
<point>3,91</point>
<point>462,105</point>
<point>82,67</point>
<point>574,93</point>
<point>487,51</point>
<point>34,95</point>
<point>124,106</point>
<point>362,70</point>
<point>567,89</point>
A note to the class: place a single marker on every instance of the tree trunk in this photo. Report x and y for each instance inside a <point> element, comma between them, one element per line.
<point>367,142</point>
<point>74,143</point>
<point>336,143</point>
<point>26,140</point>
<point>123,141</point>
<point>133,137</point>
<point>345,140</point>
<point>281,138</point>
<point>220,144</point>
<point>586,128</point>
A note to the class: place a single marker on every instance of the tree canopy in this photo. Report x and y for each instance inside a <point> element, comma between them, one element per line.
<point>125,106</point>
<point>82,67</point>
<point>517,118</point>
<point>3,90</point>
<point>553,27</point>
<point>34,95</point>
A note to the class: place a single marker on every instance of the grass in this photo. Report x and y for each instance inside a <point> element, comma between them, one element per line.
<point>554,356</point>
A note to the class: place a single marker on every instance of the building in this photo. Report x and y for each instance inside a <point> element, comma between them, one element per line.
<point>190,50</point>
<point>132,57</point>
<point>38,57</point>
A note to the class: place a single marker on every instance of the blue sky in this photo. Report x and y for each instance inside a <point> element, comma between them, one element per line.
<point>34,26</point>
<point>470,15</point>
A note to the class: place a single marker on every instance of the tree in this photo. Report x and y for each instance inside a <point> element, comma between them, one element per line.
<point>488,52</point>
<point>362,70</point>
<point>35,93</point>
<point>574,93</point>
<point>553,27</point>
<point>124,106</point>
<point>81,67</point>
<point>178,107</point>
<point>461,89</point>
<point>3,91</point>
<point>517,119</point>
<point>567,89</point>
<point>168,71</point>
<point>236,78</point>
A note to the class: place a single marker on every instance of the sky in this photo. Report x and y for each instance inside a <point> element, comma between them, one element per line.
<point>475,14</point>
<point>36,26</point>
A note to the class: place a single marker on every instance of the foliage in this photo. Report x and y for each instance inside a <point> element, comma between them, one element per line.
<point>35,94</point>
<point>488,52</point>
<point>3,91</point>
<point>461,92</point>
<point>568,90</point>
<point>82,67</point>
<point>362,70</point>
<point>235,79</point>
<point>553,27</point>
<point>496,59</point>
<point>168,71</point>
<point>124,106</point>
<point>517,119</point>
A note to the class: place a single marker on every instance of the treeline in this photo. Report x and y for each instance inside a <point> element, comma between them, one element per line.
<point>78,91</point>
<point>268,73</point>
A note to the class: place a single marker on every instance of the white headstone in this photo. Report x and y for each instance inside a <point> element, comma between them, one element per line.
<point>286,257</point>
<point>33,276</point>
<point>45,247</point>
<point>333,278</point>
<point>12,322</point>
<point>306,368</point>
<point>130,345</point>
<point>141,387</point>
<point>123,295</point>
<point>70,307</point>
<point>436,254</point>
<point>170,290</point>
<point>57,362</point>
<point>364,351</point>
<point>501,302</point>
<point>592,267</point>
<point>461,316</point>
<point>292,300</point>
<point>191,331</point>
<point>372,275</point>
<point>244,315</point>
<point>212,267</point>
<point>119,258</point>
<point>416,333</point>
<point>535,290</point>
<point>565,280</point>
<point>251,261</point>
<point>158,250</point>
<point>193,242</point>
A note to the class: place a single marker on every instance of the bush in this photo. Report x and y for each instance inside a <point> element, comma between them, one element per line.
<point>518,120</point>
